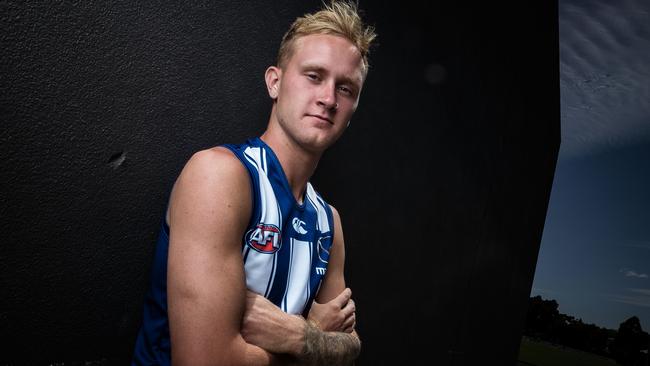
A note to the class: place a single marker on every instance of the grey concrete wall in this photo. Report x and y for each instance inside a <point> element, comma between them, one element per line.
<point>442,180</point>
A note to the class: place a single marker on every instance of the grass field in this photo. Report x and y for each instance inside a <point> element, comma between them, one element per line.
<point>545,354</point>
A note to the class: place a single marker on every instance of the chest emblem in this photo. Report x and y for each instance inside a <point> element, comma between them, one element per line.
<point>297,225</point>
<point>264,238</point>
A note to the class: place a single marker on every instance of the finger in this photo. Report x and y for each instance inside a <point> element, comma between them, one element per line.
<point>349,308</point>
<point>342,298</point>
<point>349,321</point>
<point>350,328</point>
<point>251,297</point>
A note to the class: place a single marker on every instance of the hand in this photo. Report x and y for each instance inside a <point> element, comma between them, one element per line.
<point>337,315</point>
<point>267,326</point>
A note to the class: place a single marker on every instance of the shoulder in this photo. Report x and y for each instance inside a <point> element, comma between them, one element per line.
<point>336,218</point>
<point>213,168</point>
<point>335,213</point>
<point>210,178</point>
<point>213,162</point>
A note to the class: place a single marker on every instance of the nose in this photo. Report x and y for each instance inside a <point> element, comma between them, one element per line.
<point>327,98</point>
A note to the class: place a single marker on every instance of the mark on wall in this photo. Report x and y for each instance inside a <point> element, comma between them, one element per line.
<point>116,160</point>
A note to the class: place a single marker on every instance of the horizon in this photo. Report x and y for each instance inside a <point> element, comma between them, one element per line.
<point>594,256</point>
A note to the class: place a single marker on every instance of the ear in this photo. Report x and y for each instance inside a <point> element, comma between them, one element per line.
<point>272,77</point>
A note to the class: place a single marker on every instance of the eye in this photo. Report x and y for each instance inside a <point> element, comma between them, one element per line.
<point>345,90</point>
<point>313,77</point>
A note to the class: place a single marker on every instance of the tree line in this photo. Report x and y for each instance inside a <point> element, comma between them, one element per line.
<point>624,345</point>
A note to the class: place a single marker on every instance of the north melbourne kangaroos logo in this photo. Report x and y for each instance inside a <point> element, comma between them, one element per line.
<point>324,245</point>
<point>264,238</point>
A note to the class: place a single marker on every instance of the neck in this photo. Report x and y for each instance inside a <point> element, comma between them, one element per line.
<point>298,163</point>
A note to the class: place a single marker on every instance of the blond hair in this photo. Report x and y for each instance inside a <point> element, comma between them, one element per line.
<point>340,18</point>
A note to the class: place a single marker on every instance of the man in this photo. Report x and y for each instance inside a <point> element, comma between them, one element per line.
<point>199,310</point>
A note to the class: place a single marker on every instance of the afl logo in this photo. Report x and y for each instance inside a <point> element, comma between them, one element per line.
<point>264,238</point>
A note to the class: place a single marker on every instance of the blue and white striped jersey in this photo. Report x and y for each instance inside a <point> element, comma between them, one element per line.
<point>286,247</point>
<point>285,250</point>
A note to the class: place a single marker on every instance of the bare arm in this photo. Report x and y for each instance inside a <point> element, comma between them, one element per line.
<point>208,213</point>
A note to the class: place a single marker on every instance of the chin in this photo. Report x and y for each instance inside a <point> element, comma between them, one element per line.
<point>316,143</point>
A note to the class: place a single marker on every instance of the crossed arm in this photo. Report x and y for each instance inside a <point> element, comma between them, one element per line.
<point>212,320</point>
<point>327,337</point>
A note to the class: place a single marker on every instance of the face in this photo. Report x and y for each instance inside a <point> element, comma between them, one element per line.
<point>317,90</point>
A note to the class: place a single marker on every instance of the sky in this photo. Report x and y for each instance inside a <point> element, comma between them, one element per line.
<point>594,257</point>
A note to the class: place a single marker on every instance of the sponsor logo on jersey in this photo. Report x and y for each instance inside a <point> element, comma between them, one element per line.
<point>324,253</point>
<point>264,238</point>
<point>321,270</point>
<point>297,225</point>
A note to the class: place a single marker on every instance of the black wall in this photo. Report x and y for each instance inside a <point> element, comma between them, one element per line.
<point>442,180</point>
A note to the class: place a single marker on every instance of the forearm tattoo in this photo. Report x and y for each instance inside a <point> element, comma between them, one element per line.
<point>329,348</point>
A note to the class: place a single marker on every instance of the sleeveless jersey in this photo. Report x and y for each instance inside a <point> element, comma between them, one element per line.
<point>285,250</point>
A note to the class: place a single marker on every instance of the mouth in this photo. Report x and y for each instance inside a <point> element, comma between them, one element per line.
<point>322,118</point>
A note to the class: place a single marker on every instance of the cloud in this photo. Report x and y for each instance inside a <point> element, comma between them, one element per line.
<point>638,297</point>
<point>632,273</point>
<point>604,75</point>
<point>642,291</point>
<point>632,300</point>
<point>638,244</point>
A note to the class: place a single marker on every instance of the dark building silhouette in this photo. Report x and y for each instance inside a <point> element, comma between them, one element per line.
<point>442,179</point>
